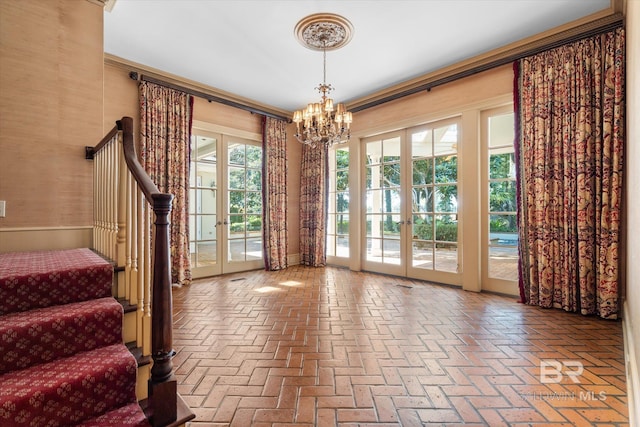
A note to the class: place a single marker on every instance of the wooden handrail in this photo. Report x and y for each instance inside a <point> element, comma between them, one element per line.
<point>162,405</point>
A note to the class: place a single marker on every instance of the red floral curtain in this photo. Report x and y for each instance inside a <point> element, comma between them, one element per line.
<point>570,147</point>
<point>165,132</point>
<point>275,166</point>
<point>313,205</point>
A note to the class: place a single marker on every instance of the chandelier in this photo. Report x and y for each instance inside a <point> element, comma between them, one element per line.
<point>322,123</point>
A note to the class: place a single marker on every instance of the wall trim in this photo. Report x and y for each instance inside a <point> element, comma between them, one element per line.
<point>293,259</point>
<point>23,239</point>
<point>631,365</point>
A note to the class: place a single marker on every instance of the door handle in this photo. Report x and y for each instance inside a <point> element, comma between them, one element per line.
<point>225,222</point>
<point>218,223</point>
<point>400,222</point>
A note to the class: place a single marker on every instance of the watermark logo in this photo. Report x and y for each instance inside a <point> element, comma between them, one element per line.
<point>553,371</point>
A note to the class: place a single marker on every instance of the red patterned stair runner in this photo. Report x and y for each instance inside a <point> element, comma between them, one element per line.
<point>62,360</point>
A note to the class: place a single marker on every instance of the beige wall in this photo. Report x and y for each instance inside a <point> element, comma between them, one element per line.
<point>473,92</point>
<point>632,305</point>
<point>51,107</point>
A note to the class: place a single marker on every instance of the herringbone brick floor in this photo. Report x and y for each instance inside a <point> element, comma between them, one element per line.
<point>331,347</point>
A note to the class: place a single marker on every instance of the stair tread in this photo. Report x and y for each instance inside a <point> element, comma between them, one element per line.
<point>44,334</point>
<point>69,390</point>
<point>44,278</point>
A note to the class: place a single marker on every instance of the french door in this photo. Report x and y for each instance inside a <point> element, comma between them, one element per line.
<point>410,188</point>
<point>225,206</point>
<point>499,220</point>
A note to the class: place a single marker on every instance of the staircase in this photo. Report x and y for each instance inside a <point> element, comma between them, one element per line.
<point>62,357</point>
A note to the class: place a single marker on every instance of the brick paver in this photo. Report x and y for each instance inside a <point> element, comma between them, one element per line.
<point>331,347</point>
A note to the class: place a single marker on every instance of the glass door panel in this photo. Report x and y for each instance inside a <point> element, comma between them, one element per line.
<point>383,201</point>
<point>204,205</point>
<point>243,205</point>
<point>338,206</point>
<point>434,200</point>
<point>500,231</point>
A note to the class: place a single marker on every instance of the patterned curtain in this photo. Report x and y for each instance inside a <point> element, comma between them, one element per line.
<point>165,132</point>
<point>313,205</point>
<point>275,237</point>
<point>570,148</point>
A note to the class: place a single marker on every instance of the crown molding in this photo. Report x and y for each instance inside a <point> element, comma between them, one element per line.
<point>589,25</point>
<point>204,90</point>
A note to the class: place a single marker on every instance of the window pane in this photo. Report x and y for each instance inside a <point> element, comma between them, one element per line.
<point>208,227</point>
<point>254,180</point>
<point>502,165</point>
<point>501,130</point>
<point>423,227</point>
<point>342,158</point>
<point>236,178</point>
<point>446,198</point>
<point>342,249</point>
<point>374,152</point>
<point>391,177</point>
<point>391,251</point>
<point>446,257</point>
<point>501,224</point>
<point>206,175</point>
<point>206,148</point>
<point>254,202</point>
<point>342,224</point>
<point>236,225</point>
<point>446,140</point>
<point>374,201</point>
<point>206,201</point>
<point>423,172</point>
<point>254,156</point>
<point>391,150</point>
<point>236,202</point>
<point>423,255</point>
<point>502,196</point>
<point>206,253</point>
<point>423,199</point>
<point>342,202</point>
<point>254,225</point>
<point>446,228</point>
<point>391,200</point>
<point>342,180</point>
<point>446,169</point>
<point>374,249</point>
<point>503,263</point>
<point>236,154</point>
<point>422,143</point>
<point>390,226</point>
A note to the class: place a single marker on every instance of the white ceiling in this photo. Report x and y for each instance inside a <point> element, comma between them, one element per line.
<point>248,47</point>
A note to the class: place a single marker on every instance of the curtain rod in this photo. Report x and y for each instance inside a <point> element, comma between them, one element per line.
<point>133,75</point>
<point>617,22</point>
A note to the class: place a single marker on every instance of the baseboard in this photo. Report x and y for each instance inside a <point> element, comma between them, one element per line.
<point>293,259</point>
<point>24,239</point>
<point>633,376</point>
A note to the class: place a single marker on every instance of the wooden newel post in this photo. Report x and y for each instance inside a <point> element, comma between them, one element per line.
<point>162,384</point>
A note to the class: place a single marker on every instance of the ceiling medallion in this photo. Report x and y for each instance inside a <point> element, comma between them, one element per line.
<point>324,31</point>
<point>319,124</point>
